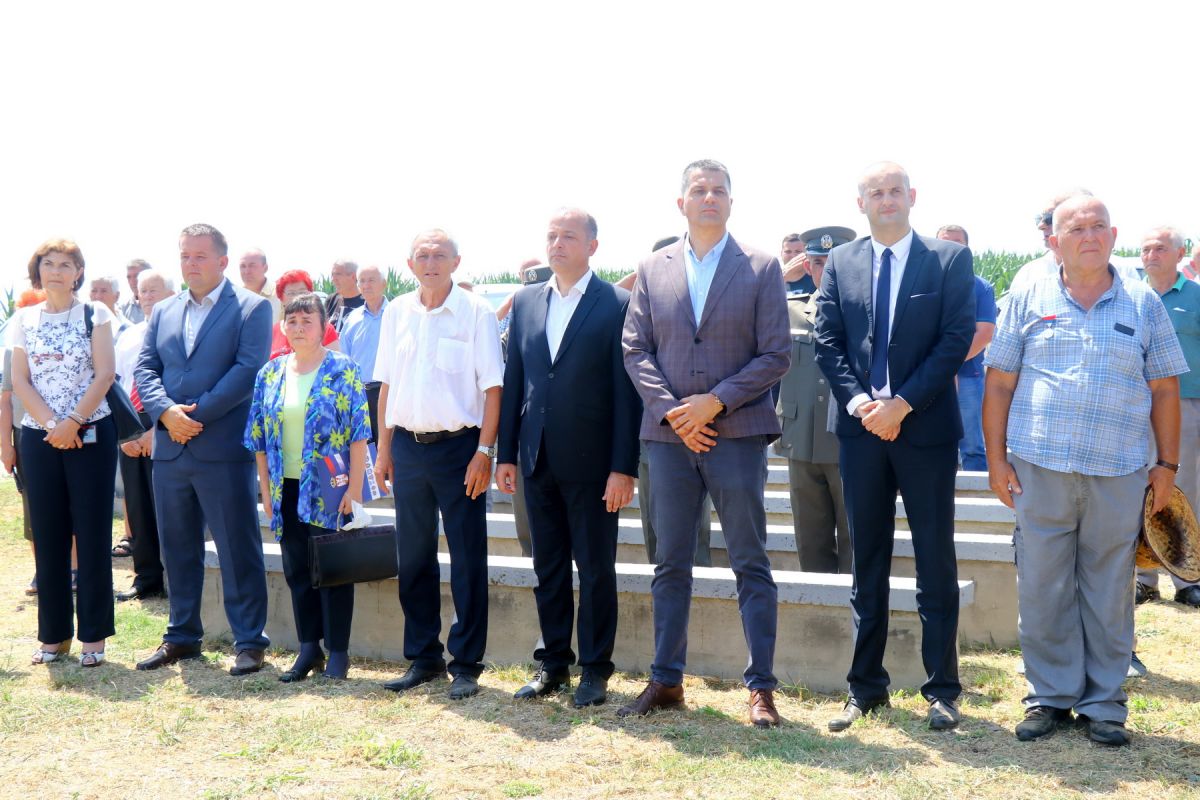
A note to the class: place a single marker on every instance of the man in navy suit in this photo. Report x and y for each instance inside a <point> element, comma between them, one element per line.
<point>895,318</point>
<point>569,417</point>
<point>195,376</point>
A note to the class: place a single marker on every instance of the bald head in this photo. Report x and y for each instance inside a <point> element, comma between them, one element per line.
<point>371,284</point>
<point>580,216</point>
<point>882,169</point>
<point>1071,207</point>
<point>1083,235</point>
<point>570,242</point>
<point>253,269</point>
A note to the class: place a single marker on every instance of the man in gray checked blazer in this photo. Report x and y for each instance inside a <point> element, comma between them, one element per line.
<point>706,336</point>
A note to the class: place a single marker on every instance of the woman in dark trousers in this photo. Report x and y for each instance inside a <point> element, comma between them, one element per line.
<point>68,448</point>
<point>309,404</point>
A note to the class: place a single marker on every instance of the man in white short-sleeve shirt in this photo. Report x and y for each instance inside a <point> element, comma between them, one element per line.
<point>440,375</point>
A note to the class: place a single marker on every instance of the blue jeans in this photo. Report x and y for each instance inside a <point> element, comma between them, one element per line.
<point>970,406</point>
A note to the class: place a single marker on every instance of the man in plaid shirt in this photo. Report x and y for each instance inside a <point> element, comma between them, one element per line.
<point>1082,366</point>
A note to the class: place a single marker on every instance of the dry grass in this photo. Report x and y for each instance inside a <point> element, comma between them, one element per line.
<point>194,731</point>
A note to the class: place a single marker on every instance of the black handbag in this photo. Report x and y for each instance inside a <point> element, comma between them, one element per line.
<point>129,424</point>
<point>354,556</point>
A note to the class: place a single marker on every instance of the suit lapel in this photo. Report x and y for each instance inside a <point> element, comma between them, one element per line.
<point>731,261</point>
<point>539,311</point>
<point>586,303</point>
<point>917,254</point>
<point>224,303</point>
<point>676,272</point>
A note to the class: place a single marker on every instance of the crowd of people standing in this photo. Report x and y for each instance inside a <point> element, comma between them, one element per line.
<point>867,354</point>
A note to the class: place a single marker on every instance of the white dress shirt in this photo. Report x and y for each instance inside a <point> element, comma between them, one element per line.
<point>195,314</point>
<point>900,251</point>
<point>561,309</point>
<point>438,362</point>
<point>126,352</point>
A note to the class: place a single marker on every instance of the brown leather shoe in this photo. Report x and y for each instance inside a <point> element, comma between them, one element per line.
<point>655,696</point>
<point>168,653</point>
<point>762,708</point>
<point>247,661</point>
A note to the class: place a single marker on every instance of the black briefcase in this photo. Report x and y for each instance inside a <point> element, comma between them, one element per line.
<point>354,556</point>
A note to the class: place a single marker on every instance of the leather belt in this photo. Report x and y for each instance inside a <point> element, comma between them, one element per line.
<point>435,436</point>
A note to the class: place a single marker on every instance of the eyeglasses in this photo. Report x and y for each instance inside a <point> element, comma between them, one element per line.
<point>1044,218</point>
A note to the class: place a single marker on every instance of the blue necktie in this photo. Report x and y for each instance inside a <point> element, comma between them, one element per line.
<point>883,310</point>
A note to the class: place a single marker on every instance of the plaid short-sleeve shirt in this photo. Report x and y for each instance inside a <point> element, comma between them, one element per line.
<point>1082,402</point>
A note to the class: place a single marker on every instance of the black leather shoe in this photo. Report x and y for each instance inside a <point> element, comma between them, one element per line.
<point>136,592</point>
<point>415,676</point>
<point>852,712</point>
<point>943,715</point>
<point>248,661</point>
<point>463,686</point>
<point>1041,721</point>
<point>1145,594</point>
<point>1188,596</point>
<point>1101,732</point>
<point>294,674</point>
<point>592,690</point>
<point>545,681</point>
<point>168,653</point>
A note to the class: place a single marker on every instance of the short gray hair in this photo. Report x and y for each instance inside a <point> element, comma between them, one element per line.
<point>141,263</point>
<point>705,165</point>
<point>438,233</point>
<point>167,280</point>
<point>114,283</point>
<point>204,229</point>
<point>1177,238</point>
<point>343,262</point>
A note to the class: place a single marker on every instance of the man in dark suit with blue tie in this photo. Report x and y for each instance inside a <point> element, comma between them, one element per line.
<point>569,421</point>
<point>895,318</point>
<point>195,376</point>
<point>706,337</point>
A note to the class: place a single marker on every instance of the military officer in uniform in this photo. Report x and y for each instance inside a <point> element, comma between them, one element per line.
<point>818,511</point>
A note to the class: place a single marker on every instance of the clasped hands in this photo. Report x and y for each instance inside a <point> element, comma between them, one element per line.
<point>691,420</point>
<point>883,417</point>
<point>180,427</point>
<point>618,490</point>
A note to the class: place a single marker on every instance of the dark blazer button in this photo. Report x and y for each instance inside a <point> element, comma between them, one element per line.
<point>696,340</point>
<point>550,375</point>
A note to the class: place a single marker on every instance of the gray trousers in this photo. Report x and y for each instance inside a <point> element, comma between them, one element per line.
<point>703,556</point>
<point>819,517</point>
<point>1075,539</point>
<point>1188,478</point>
<point>734,473</point>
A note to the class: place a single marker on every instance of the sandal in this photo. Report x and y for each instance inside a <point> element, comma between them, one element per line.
<point>31,589</point>
<point>123,549</point>
<point>91,659</point>
<point>43,656</point>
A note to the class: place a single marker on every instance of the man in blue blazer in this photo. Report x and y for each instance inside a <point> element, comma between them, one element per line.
<point>569,417</point>
<point>895,318</point>
<point>195,376</point>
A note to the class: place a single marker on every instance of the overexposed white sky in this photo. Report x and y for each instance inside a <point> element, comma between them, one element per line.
<point>318,131</point>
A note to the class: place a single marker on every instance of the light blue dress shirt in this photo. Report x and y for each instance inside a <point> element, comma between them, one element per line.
<point>360,337</point>
<point>700,272</point>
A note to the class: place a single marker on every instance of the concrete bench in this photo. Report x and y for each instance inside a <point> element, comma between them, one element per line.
<point>814,633</point>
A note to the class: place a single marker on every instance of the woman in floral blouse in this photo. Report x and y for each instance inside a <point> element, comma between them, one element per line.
<point>61,372</point>
<point>309,404</point>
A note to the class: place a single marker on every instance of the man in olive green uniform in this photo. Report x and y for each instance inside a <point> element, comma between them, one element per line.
<point>818,511</point>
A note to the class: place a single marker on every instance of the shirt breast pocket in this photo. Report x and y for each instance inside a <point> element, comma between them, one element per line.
<point>451,355</point>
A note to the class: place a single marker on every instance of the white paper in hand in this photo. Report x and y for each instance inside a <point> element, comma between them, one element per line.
<point>360,519</point>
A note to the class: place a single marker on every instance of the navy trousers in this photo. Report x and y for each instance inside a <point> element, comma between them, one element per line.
<point>71,492</point>
<point>734,474</point>
<point>872,472</point>
<point>138,476</point>
<point>188,493</point>
<point>428,478</point>
<point>569,521</point>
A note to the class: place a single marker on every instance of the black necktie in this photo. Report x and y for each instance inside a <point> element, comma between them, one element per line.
<point>883,310</point>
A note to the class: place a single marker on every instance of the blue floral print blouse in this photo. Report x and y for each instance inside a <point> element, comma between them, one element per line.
<point>335,415</point>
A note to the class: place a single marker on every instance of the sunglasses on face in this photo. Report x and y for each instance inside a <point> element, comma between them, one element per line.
<point>1044,218</point>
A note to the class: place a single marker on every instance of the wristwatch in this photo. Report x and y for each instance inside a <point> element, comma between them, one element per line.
<point>50,423</point>
<point>490,452</point>
<point>1167,465</point>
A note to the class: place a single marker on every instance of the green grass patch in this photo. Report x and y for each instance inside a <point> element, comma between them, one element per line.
<point>521,789</point>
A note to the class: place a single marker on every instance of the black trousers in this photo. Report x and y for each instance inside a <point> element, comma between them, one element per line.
<point>319,613</point>
<point>72,491</point>
<point>872,472</point>
<point>429,479</point>
<point>568,521</point>
<point>138,477</point>
<point>372,390</point>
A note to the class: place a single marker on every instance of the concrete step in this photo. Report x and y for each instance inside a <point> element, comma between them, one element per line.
<point>814,630</point>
